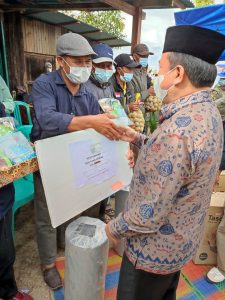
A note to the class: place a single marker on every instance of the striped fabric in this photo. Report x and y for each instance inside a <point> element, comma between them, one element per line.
<point>192,285</point>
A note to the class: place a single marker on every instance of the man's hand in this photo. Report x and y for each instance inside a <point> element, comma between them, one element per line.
<point>110,237</point>
<point>128,134</point>
<point>104,125</point>
<point>217,178</point>
<point>151,91</point>
<point>133,107</point>
<point>130,157</point>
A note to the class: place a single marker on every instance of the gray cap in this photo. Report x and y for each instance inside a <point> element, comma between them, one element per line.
<point>73,44</point>
<point>141,49</point>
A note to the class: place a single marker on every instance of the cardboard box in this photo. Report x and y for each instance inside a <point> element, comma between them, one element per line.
<point>220,187</point>
<point>207,251</point>
<point>18,171</point>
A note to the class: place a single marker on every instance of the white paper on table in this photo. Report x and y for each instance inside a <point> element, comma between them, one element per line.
<point>66,194</point>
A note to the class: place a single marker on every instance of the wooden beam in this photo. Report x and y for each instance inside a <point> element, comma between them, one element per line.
<point>177,3</point>
<point>121,5</point>
<point>15,49</point>
<point>136,28</point>
<point>56,6</point>
<point>154,3</point>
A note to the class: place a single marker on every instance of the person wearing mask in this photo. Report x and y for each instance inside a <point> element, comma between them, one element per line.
<point>175,171</point>
<point>121,81</point>
<point>102,70</point>
<point>140,82</point>
<point>48,67</point>
<point>217,274</point>
<point>8,287</point>
<point>5,97</point>
<point>63,104</point>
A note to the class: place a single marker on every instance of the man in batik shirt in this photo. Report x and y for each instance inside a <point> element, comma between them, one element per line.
<point>175,171</point>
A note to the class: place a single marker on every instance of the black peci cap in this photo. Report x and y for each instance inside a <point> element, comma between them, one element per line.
<point>199,42</point>
<point>126,60</point>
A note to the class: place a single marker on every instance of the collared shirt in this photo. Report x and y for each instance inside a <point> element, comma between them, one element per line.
<point>172,185</point>
<point>5,97</point>
<point>55,106</point>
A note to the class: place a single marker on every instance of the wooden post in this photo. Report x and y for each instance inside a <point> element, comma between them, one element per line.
<point>136,29</point>
<point>15,49</point>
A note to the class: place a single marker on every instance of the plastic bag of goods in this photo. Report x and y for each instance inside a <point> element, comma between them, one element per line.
<point>153,103</point>
<point>7,125</point>
<point>138,119</point>
<point>86,259</point>
<point>16,147</point>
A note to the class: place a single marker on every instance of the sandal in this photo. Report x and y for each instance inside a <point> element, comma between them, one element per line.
<point>52,278</point>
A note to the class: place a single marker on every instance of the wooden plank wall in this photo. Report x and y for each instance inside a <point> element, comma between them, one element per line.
<point>26,37</point>
<point>39,37</point>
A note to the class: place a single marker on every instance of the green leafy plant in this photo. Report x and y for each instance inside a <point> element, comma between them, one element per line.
<point>199,3</point>
<point>108,21</point>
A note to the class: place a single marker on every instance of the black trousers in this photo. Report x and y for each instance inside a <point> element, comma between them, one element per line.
<point>140,285</point>
<point>8,286</point>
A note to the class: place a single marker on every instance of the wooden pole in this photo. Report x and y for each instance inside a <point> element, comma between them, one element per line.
<point>136,29</point>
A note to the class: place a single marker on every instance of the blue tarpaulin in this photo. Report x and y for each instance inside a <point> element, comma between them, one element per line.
<point>211,17</point>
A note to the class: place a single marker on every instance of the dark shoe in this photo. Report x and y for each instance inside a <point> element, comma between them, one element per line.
<point>22,296</point>
<point>52,278</point>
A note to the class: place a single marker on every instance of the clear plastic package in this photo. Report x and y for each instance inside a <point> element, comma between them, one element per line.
<point>16,147</point>
<point>7,125</point>
<point>114,107</point>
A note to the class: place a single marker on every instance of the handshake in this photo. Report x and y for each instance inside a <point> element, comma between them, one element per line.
<point>103,123</point>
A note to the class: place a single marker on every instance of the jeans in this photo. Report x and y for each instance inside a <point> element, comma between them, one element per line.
<point>8,286</point>
<point>135,284</point>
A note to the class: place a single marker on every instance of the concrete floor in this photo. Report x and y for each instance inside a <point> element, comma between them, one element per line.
<point>27,267</point>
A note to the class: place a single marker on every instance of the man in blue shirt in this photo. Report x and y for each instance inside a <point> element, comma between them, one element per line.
<point>62,104</point>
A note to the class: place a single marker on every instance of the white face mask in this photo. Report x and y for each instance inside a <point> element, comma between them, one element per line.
<point>161,93</point>
<point>78,75</point>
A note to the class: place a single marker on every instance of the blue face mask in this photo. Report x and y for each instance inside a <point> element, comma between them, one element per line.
<point>127,77</point>
<point>143,62</point>
<point>103,75</point>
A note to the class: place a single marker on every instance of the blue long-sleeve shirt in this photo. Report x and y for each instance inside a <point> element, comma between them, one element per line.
<point>55,106</point>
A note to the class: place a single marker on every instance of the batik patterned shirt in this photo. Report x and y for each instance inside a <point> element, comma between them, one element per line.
<point>172,185</point>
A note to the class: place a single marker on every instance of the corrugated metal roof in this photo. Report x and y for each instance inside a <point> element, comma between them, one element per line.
<point>90,32</point>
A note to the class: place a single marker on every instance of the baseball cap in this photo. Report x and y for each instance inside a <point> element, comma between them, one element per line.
<point>126,60</point>
<point>73,44</point>
<point>103,52</point>
<point>141,49</point>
